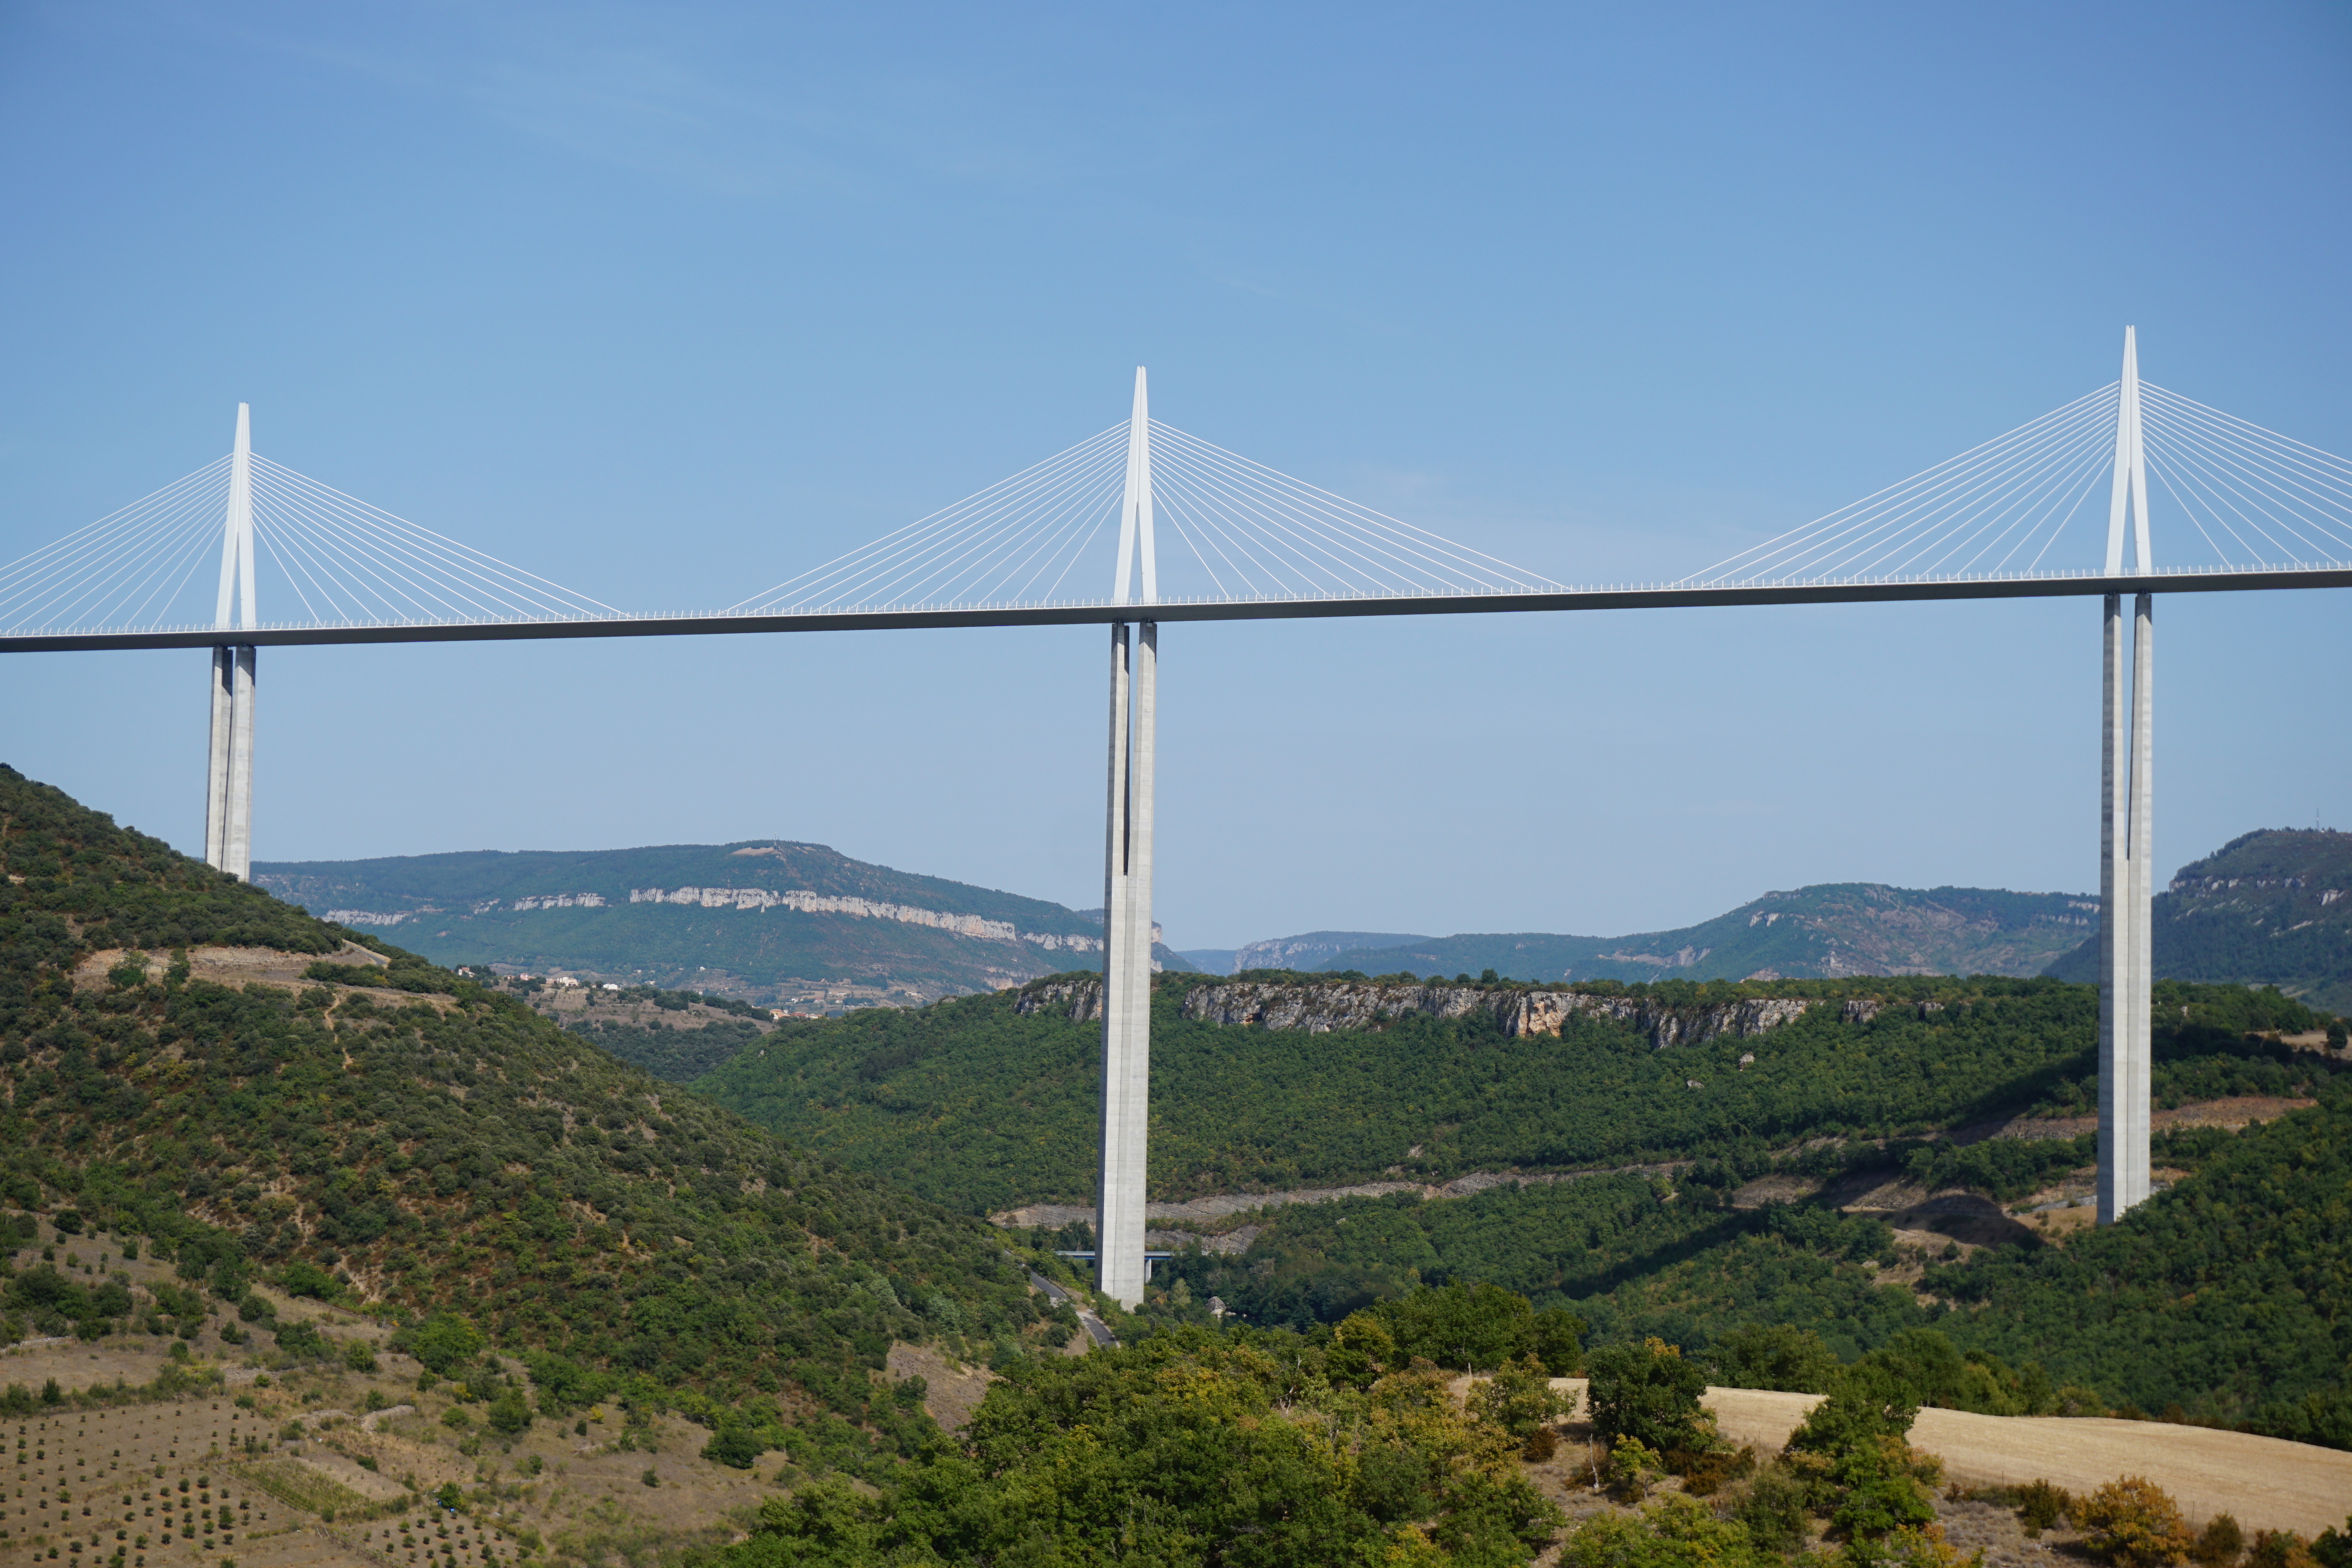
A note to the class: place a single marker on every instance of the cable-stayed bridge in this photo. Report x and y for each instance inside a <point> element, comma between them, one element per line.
<point>2241,507</point>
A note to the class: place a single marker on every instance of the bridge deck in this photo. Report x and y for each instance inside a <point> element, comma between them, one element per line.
<point>1666,596</point>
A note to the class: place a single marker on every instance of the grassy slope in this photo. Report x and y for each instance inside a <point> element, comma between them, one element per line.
<point>2256,912</point>
<point>979,1107</point>
<point>1838,928</point>
<point>454,1151</point>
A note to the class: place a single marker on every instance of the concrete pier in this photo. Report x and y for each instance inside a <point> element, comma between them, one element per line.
<point>1120,1268</point>
<point>228,777</point>
<point>2126,892</point>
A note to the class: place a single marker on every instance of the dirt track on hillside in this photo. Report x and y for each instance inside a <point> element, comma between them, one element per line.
<point>2267,1483</point>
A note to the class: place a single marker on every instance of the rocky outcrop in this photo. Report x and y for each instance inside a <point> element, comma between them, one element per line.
<point>1340,1004</point>
<point>1080,1001</point>
<point>1366,1004</point>
<point>1544,1012</point>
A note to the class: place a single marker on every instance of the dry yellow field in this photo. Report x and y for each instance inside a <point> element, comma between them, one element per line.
<point>2267,1483</point>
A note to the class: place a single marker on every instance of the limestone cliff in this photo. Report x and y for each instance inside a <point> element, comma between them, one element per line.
<point>1318,1007</point>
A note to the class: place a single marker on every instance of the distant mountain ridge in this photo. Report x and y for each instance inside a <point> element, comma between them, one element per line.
<point>756,916</point>
<point>2270,908</point>
<point>1828,931</point>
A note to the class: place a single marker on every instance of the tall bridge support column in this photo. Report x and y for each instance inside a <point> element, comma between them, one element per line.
<point>2127,840</point>
<point>228,779</point>
<point>1120,1268</point>
<point>2126,928</point>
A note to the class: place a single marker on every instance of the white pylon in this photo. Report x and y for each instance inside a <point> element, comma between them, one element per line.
<point>228,779</point>
<point>2126,845</point>
<point>1120,1268</point>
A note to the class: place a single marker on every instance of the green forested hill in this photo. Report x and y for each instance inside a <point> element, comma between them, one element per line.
<point>1831,930</point>
<point>411,1140</point>
<point>980,1105</point>
<point>2229,1295</point>
<point>762,913</point>
<point>2268,908</point>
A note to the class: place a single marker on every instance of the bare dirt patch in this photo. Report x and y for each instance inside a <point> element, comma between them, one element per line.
<point>2236,1112</point>
<point>951,1391</point>
<point>229,966</point>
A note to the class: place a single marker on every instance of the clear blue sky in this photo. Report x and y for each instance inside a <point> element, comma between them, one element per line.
<point>670,301</point>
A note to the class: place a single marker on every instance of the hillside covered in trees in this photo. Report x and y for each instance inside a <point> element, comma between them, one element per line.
<point>1824,932</point>
<point>988,1102</point>
<point>2225,1295</point>
<point>760,915</point>
<point>2268,908</point>
<point>367,1127</point>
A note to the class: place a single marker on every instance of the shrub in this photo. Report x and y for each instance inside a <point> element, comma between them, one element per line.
<point>2220,1542</point>
<point>445,1341</point>
<point>2131,1522</point>
<point>1772,1507</point>
<point>1635,1470</point>
<point>358,1356</point>
<point>2280,1549</point>
<point>1875,1505</point>
<point>2041,1505</point>
<point>736,1445</point>
<point>511,1412</point>
<point>1519,1399</point>
<point>305,1279</point>
<point>1650,1392</point>
<point>302,1339</point>
<point>1676,1531</point>
<point>1706,1473</point>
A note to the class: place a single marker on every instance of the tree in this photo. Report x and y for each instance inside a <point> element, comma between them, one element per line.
<point>1477,1327</point>
<point>1775,1356</point>
<point>2280,1549</point>
<point>736,1444</point>
<point>1519,1399</point>
<point>1648,1392</point>
<point>445,1341</point>
<point>2132,1522</point>
<point>511,1412</point>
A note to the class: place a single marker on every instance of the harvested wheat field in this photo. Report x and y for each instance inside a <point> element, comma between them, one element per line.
<point>2267,1483</point>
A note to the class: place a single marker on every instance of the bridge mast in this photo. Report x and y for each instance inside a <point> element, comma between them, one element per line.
<point>228,779</point>
<point>1120,1267</point>
<point>2127,800</point>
